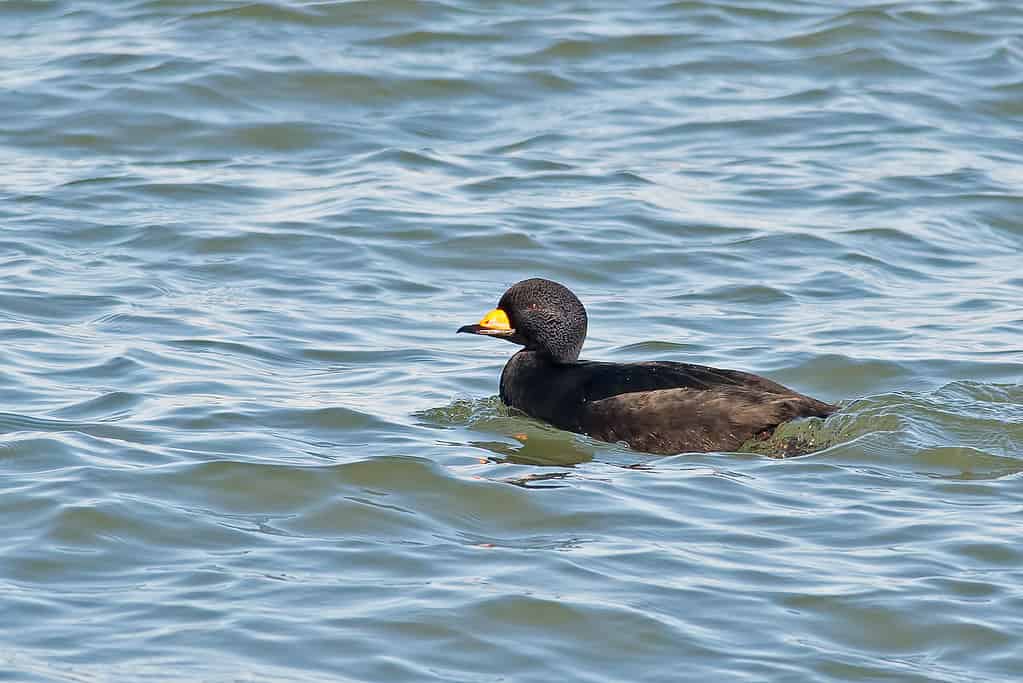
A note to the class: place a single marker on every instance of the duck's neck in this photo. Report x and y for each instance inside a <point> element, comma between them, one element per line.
<point>522,375</point>
<point>532,382</point>
<point>556,353</point>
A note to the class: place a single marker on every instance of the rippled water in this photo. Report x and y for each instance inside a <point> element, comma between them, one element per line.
<point>240,441</point>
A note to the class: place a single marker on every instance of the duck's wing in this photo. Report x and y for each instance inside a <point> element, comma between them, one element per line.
<point>603,380</point>
<point>691,419</point>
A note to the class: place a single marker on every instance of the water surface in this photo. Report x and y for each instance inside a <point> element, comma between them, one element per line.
<point>241,442</point>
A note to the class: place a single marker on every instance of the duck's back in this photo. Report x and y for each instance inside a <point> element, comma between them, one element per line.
<point>658,407</point>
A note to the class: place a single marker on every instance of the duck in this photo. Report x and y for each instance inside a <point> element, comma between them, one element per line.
<point>658,407</point>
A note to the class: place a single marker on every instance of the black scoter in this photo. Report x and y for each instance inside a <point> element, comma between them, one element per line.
<point>657,407</point>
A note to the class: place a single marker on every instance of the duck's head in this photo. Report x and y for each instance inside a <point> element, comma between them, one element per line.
<point>539,314</point>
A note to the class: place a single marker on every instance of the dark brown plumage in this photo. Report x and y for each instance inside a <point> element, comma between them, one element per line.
<point>658,406</point>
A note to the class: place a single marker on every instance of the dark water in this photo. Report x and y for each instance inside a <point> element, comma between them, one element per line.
<point>241,442</point>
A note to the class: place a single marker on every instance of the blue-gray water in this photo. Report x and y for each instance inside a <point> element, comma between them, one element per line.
<point>241,441</point>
